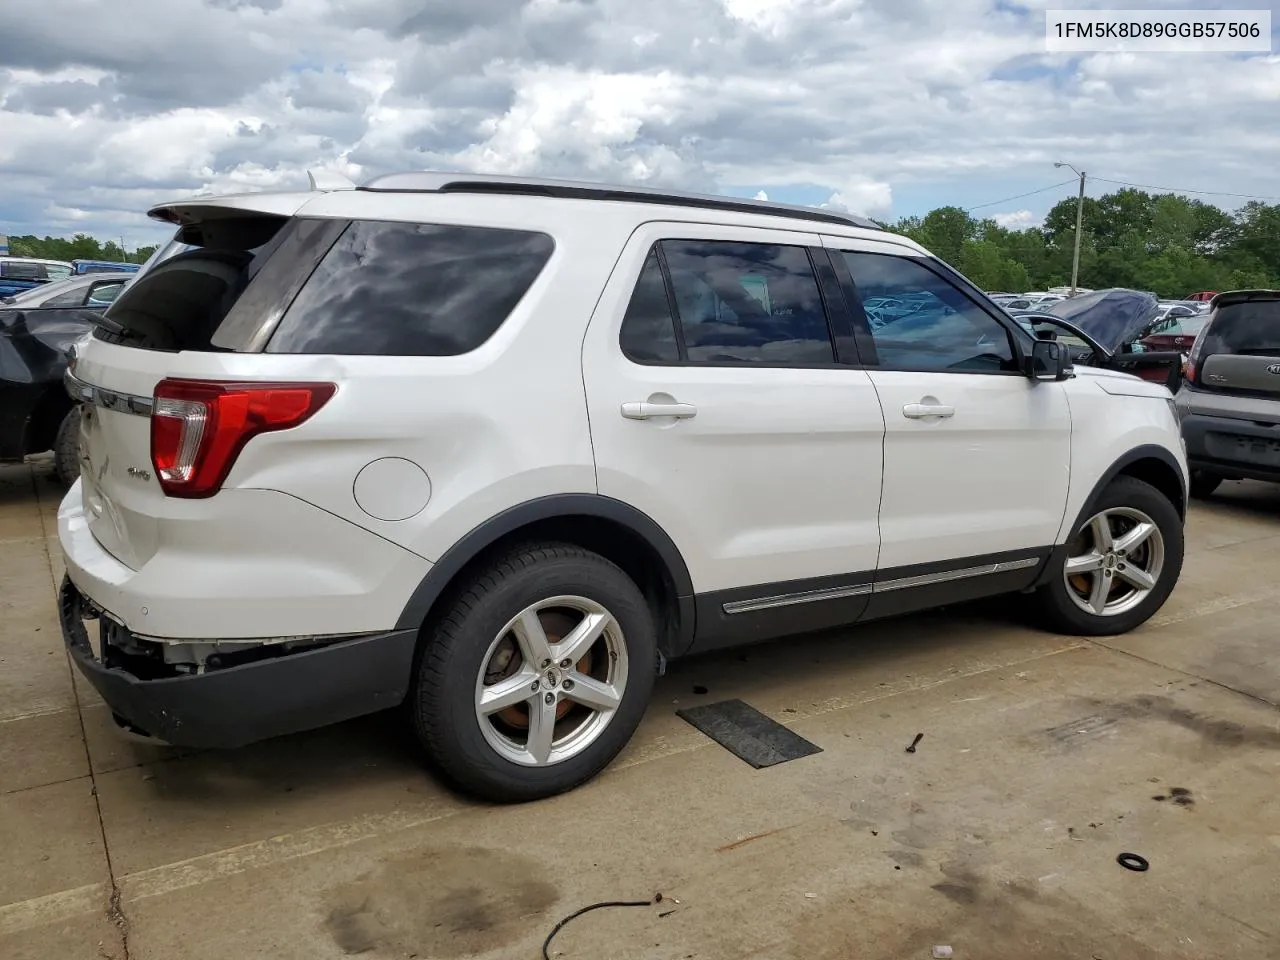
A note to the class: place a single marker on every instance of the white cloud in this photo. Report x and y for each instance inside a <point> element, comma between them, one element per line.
<point>860,102</point>
<point>1017,219</point>
<point>761,195</point>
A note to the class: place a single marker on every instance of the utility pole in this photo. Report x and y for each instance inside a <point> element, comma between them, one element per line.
<point>1075,258</point>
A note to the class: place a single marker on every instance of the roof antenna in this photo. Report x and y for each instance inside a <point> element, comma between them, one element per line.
<point>326,180</point>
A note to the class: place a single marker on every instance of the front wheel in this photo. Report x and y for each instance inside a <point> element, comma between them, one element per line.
<point>1120,565</point>
<point>537,674</point>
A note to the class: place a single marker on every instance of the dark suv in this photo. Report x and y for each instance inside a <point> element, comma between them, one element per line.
<point>1230,401</point>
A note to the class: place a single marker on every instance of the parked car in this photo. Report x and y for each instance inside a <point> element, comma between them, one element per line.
<point>1229,403</point>
<point>24,273</point>
<point>81,267</point>
<point>497,449</point>
<point>1106,329</point>
<point>36,329</point>
<point>1176,331</point>
<point>1203,296</point>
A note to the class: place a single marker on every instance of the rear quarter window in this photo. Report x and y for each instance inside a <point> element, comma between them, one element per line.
<point>411,289</point>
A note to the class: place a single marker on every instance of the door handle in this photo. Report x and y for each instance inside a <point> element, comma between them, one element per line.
<point>922,411</point>
<point>645,410</point>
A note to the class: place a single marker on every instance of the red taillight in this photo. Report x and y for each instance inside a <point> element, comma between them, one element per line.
<point>199,427</point>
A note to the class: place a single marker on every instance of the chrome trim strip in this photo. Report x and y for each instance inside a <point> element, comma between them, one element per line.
<point>789,599</point>
<point>107,399</point>
<point>862,589</point>
<point>928,579</point>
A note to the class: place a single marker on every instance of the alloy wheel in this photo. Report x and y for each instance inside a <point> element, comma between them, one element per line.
<point>551,681</point>
<point>1114,562</point>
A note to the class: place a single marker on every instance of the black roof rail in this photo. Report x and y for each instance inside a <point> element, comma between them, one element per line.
<point>434,182</point>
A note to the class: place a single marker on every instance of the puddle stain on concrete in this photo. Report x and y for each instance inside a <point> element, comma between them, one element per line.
<point>444,903</point>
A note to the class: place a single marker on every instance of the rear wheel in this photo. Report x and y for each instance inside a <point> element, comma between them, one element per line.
<point>1204,484</point>
<point>66,448</point>
<point>537,674</point>
<point>1120,565</point>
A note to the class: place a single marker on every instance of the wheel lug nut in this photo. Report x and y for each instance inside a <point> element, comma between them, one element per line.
<point>535,685</point>
<point>545,664</point>
<point>568,684</point>
<point>550,698</point>
<point>565,663</point>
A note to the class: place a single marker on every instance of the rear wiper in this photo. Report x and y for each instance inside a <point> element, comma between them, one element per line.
<point>110,326</point>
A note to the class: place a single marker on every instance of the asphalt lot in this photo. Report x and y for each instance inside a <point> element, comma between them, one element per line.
<point>1043,757</point>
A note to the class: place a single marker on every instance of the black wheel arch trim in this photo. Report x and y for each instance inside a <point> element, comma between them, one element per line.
<point>569,505</point>
<point>1147,451</point>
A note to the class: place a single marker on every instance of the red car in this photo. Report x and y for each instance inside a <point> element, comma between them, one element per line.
<point>1175,333</point>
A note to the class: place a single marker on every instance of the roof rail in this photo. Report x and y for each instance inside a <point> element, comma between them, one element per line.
<point>436,182</point>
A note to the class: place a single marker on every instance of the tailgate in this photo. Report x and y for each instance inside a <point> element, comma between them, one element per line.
<point>122,497</point>
<point>1247,373</point>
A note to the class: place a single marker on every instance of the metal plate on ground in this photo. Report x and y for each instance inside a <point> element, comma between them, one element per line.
<point>748,734</point>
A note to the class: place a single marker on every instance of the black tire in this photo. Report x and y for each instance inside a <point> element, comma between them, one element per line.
<point>1204,484</point>
<point>66,448</point>
<point>1062,614</point>
<point>442,700</point>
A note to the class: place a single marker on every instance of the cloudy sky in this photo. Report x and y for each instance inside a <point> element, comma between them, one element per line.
<point>887,107</point>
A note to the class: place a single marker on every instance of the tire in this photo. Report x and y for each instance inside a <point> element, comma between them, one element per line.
<point>1204,484</point>
<point>66,448</point>
<point>1063,602</point>
<point>470,645</point>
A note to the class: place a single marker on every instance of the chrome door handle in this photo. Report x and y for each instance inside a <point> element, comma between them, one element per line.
<point>921,411</point>
<point>644,410</point>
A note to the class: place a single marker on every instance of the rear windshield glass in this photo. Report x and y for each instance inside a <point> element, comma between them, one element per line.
<point>178,303</point>
<point>412,289</point>
<point>1250,328</point>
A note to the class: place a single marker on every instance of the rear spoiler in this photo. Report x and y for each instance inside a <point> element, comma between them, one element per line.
<point>280,204</point>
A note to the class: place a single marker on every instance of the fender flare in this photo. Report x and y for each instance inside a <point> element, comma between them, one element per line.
<point>552,507</point>
<point>1147,451</point>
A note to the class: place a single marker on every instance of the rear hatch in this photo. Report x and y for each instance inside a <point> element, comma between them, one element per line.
<point>1238,351</point>
<point>227,273</point>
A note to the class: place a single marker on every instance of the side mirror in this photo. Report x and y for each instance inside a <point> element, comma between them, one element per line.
<point>1049,360</point>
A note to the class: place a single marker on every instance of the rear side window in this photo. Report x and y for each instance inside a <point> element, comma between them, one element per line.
<point>411,289</point>
<point>1251,328</point>
<point>727,302</point>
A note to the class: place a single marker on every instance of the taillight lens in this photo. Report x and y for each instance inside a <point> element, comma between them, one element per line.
<point>199,427</point>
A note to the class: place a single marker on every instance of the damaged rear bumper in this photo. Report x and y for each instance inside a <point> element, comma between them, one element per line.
<point>231,706</point>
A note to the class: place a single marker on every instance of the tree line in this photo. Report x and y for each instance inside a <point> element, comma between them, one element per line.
<point>1163,243</point>
<point>80,247</point>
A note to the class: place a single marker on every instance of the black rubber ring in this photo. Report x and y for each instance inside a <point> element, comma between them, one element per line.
<point>1131,861</point>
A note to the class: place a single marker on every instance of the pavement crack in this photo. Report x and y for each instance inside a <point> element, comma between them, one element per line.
<point>115,909</point>
<point>1186,673</point>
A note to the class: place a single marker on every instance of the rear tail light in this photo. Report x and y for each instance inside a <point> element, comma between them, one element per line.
<point>199,427</point>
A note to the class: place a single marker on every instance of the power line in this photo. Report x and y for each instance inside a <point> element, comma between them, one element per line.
<point>1207,193</point>
<point>979,206</point>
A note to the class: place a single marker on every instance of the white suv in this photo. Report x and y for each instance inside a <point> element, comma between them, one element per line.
<point>495,449</point>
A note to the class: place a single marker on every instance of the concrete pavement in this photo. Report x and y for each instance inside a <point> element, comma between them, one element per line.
<point>1043,758</point>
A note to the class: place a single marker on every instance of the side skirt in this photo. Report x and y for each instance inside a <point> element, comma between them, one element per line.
<point>728,618</point>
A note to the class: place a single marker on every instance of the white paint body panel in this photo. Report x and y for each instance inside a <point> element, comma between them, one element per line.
<point>1105,427</point>
<point>776,478</point>
<point>244,564</point>
<point>990,479</point>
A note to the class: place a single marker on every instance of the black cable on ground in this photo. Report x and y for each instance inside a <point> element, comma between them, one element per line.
<point>546,944</point>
